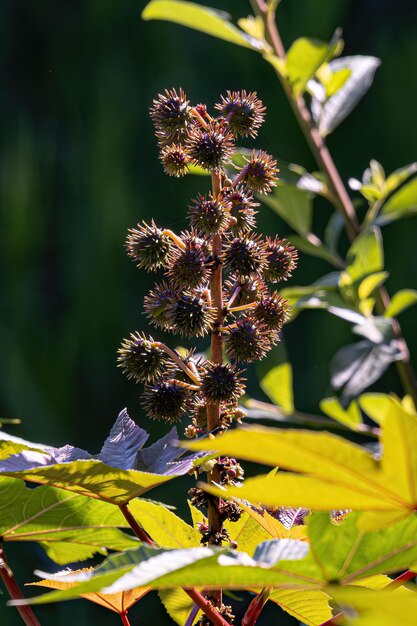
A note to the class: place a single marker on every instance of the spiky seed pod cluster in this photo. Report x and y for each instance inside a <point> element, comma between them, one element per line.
<point>182,303</point>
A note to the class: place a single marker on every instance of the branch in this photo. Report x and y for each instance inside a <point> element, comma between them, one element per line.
<point>15,592</point>
<point>341,197</point>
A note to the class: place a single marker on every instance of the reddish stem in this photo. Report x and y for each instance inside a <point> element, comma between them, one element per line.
<point>15,592</point>
<point>206,607</point>
<point>124,618</point>
<point>400,580</point>
<point>138,530</point>
<point>213,408</point>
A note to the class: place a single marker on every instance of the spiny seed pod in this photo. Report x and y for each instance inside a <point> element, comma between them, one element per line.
<point>246,255</point>
<point>192,362</point>
<point>171,116</point>
<point>148,246</point>
<point>244,289</point>
<point>282,259</point>
<point>190,315</point>
<point>247,341</point>
<point>165,400</point>
<point>210,148</point>
<point>231,511</point>
<point>190,268</point>
<point>244,112</point>
<point>221,383</point>
<point>260,172</point>
<point>272,311</point>
<point>209,215</point>
<point>242,208</point>
<point>157,305</point>
<point>175,160</point>
<point>140,359</point>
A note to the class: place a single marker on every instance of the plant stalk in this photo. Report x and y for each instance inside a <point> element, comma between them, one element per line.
<point>213,408</point>
<point>26,612</point>
<point>338,190</point>
<point>124,618</point>
<point>400,580</point>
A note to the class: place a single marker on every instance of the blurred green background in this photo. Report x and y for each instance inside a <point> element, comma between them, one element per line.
<point>79,165</point>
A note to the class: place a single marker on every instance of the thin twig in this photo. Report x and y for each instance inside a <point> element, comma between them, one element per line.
<point>400,580</point>
<point>177,359</point>
<point>254,610</point>
<point>26,612</point>
<point>138,530</point>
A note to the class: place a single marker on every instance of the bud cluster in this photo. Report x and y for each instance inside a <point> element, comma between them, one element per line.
<point>246,317</point>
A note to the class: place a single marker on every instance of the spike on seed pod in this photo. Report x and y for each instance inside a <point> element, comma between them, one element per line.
<point>140,359</point>
<point>171,115</point>
<point>148,246</point>
<point>221,383</point>
<point>282,259</point>
<point>248,288</point>
<point>165,400</point>
<point>175,160</point>
<point>211,148</point>
<point>244,112</point>
<point>260,172</point>
<point>246,255</point>
<point>209,215</point>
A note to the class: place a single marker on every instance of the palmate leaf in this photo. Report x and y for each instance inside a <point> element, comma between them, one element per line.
<point>123,470</point>
<point>116,602</point>
<point>309,606</point>
<point>165,569</point>
<point>333,473</point>
<point>69,527</point>
<point>178,605</point>
<point>376,608</point>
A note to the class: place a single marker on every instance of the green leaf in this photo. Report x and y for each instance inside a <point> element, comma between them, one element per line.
<point>365,607</point>
<point>365,256</point>
<point>94,479</point>
<point>351,416</point>
<point>336,81</point>
<point>370,283</point>
<point>398,177</point>
<point>164,569</point>
<point>69,527</point>
<point>308,606</point>
<point>178,605</point>
<point>313,249</point>
<point>328,113</point>
<point>277,384</point>
<point>247,533</point>
<point>402,203</point>
<point>293,205</point>
<point>375,405</point>
<point>335,474</point>
<point>304,57</point>
<point>168,530</point>
<point>203,19</point>
<point>402,300</point>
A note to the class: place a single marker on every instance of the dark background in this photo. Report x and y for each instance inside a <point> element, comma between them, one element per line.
<point>79,165</point>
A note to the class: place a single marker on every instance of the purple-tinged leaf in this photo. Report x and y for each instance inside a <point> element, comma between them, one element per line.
<point>122,444</point>
<point>161,457</point>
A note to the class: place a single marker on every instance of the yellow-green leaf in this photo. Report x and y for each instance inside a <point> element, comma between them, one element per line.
<point>166,528</point>
<point>277,384</point>
<point>351,416</point>
<point>309,607</point>
<point>370,283</point>
<point>402,300</point>
<point>201,18</point>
